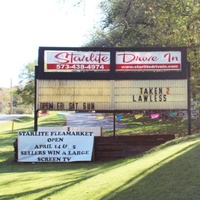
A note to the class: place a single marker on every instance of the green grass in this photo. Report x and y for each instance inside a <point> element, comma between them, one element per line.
<point>148,126</point>
<point>170,172</point>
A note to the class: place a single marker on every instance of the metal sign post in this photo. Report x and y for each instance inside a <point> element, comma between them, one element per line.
<point>189,99</point>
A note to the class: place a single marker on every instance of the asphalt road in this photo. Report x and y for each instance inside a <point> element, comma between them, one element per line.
<point>5,118</point>
<point>79,120</point>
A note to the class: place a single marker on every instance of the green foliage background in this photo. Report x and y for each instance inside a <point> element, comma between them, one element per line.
<point>157,23</point>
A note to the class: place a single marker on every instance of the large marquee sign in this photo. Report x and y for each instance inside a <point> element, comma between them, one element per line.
<point>114,80</point>
<point>97,95</point>
<point>111,79</point>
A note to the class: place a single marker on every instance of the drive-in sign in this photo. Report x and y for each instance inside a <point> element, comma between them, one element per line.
<point>67,61</point>
<point>111,79</point>
<point>148,61</point>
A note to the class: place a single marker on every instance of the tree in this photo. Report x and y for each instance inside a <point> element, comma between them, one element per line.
<point>26,87</point>
<point>4,100</point>
<point>140,23</point>
<point>149,23</point>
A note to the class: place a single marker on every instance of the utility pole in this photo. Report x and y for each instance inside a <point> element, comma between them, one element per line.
<point>11,98</point>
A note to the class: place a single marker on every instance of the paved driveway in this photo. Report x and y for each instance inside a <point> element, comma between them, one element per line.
<point>5,118</point>
<point>92,120</point>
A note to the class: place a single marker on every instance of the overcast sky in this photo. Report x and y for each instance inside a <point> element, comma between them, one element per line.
<point>28,24</point>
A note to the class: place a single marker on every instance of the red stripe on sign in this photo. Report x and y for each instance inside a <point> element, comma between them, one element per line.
<point>78,67</point>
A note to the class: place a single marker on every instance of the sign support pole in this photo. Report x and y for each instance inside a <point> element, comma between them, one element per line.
<point>35,110</point>
<point>189,99</point>
<point>36,120</point>
<point>114,123</point>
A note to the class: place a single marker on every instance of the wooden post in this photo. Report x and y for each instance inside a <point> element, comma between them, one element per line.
<point>11,98</point>
<point>198,119</point>
<point>13,125</point>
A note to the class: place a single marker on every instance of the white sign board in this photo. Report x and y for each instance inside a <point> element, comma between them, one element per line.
<point>76,61</point>
<point>79,61</point>
<point>150,95</point>
<point>148,61</point>
<point>112,94</point>
<point>74,95</point>
<point>97,131</point>
<point>52,146</point>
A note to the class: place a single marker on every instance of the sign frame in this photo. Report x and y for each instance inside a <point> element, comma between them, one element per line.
<point>113,74</point>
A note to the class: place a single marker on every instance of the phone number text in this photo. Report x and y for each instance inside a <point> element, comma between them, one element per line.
<point>79,67</point>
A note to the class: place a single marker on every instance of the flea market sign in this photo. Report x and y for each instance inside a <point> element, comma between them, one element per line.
<point>55,146</point>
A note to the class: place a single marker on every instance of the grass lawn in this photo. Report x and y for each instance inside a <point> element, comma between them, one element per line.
<point>148,126</point>
<point>170,172</point>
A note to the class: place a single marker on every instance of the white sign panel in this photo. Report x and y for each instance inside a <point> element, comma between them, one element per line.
<point>150,95</point>
<point>112,95</point>
<point>97,131</point>
<point>74,95</point>
<point>76,61</point>
<point>148,61</point>
<point>52,146</point>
